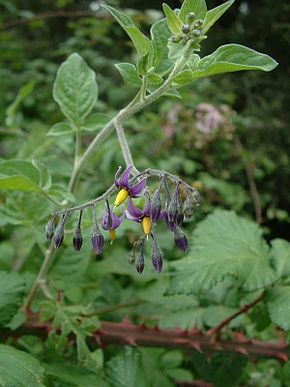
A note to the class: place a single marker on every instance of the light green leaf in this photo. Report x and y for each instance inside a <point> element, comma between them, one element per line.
<point>140,41</point>
<point>19,167</point>
<point>96,121</point>
<point>160,35</point>
<point>233,57</point>
<point>155,79</point>
<point>215,13</point>
<point>129,74</point>
<point>19,369</point>
<point>278,302</point>
<point>60,129</point>
<point>44,174</point>
<point>75,89</point>
<point>280,253</point>
<point>183,78</point>
<point>173,22</point>
<point>125,370</point>
<point>197,6</point>
<point>224,244</point>
<point>12,288</point>
<point>193,61</point>
<point>18,183</point>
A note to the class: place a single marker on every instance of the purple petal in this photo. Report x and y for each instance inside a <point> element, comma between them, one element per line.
<point>124,179</point>
<point>116,221</point>
<point>134,211</point>
<point>130,217</point>
<point>137,189</point>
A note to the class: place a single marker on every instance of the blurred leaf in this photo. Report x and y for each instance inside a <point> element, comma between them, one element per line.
<point>75,89</point>
<point>129,74</point>
<point>96,121</point>
<point>44,174</point>
<point>12,288</point>
<point>125,370</point>
<point>173,22</point>
<point>278,302</point>
<point>60,129</point>
<point>224,244</point>
<point>183,78</point>
<point>280,253</point>
<point>198,7</point>
<point>19,369</point>
<point>215,13</point>
<point>233,57</point>
<point>18,183</point>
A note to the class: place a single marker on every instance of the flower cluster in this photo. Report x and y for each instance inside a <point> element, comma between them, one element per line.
<point>162,206</point>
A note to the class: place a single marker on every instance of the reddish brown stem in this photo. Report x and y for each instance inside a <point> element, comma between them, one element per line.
<point>126,333</point>
<point>244,309</point>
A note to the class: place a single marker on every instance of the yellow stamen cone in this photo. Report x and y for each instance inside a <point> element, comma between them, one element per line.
<point>112,234</point>
<point>121,197</point>
<point>147,225</point>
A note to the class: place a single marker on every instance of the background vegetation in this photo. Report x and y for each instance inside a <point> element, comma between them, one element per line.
<point>227,136</point>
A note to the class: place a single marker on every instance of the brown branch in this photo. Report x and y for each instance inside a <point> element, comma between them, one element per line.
<point>48,15</point>
<point>244,309</point>
<point>126,333</point>
<point>249,168</point>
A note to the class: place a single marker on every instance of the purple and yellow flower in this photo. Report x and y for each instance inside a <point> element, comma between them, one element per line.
<point>140,216</point>
<point>126,189</point>
<point>111,223</point>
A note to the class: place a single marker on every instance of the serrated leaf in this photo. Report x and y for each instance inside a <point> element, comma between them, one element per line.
<point>129,74</point>
<point>160,34</point>
<point>223,245</point>
<point>75,89</point>
<point>140,41</point>
<point>233,57</point>
<point>96,121</point>
<point>215,13</point>
<point>280,253</point>
<point>197,6</point>
<point>278,302</point>
<point>18,183</point>
<point>173,22</point>
<point>125,370</point>
<point>60,129</point>
<point>19,369</point>
<point>12,288</point>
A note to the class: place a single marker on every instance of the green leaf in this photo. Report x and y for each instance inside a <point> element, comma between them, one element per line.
<point>233,57</point>
<point>280,253</point>
<point>155,79</point>
<point>129,74</point>
<point>60,129</point>
<point>224,244</point>
<point>197,6</point>
<point>173,22</point>
<point>19,369</point>
<point>125,370</point>
<point>160,35</point>
<point>140,41</point>
<point>183,78</point>
<point>278,302</point>
<point>18,183</point>
<point>96,121</point>
<point>44,174</point>
<point>215,13</point>
<point>12,288</point>
<point>19,167</point>
<point>75,89</point>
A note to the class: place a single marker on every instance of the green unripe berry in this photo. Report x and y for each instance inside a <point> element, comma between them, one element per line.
<point>186,28</point>
<point>190,17</point>
<point>175,38</point>
<point>198,23</point>
<point>196,33</point>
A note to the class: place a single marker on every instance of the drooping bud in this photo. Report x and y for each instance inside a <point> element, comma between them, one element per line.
<point>176,38</point>
<point>173,207</point>
<point>171,225</point>
<point>157,256</point>
<point>155,206</point>
<point>186,28</point>
<point>180,239</point>
<point>97,237</point>
<point>59,232</point>
<point>191,202</point>
<point>109,220</point>
<point>140,260</point>
<point>77,238</point>
<point>49,228</point>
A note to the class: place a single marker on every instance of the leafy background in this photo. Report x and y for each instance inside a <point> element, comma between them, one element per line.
<point>246,151</point>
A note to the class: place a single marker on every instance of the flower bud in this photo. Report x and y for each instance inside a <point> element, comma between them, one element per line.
<point>157,257</point>
<point>59,232</point>
<point>77,238</point>
<point>171,225</point>
<point>49,229</point>
<point>196,33</point>
<point>190,17</point>
<point>180,239</point>
<point>198,24</point>
<point>138,254</point>
<point>140,263</point>
<point>155,206</point>
<point>97,240</point>
<point>186,28</point>
<point>175,38</point>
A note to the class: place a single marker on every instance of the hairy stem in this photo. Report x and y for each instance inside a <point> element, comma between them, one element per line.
<point>125,146</point>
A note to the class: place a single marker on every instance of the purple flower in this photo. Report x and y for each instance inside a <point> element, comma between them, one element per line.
<point>98,241</point>
<point>157,257</point>
<point>110,222</point>
<point>126,189</point>
<point>180,239</point>
<point>77,238</point>
<point>140,216</point>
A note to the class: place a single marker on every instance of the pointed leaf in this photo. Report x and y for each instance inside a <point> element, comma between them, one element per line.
<point>123,19</point>
<point>160,34</point>
<point>224,244</point>
<point>196,6</point>
<point>60,129</point>
<point>44,174</point>
<point>75,89</point>
<point>173,22</point>
<point>278,302</point>
<point>215,13</point>
<point>96,121</point>
<point>129,74</point>
<point>19,369</point>
<point>233,57</point>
